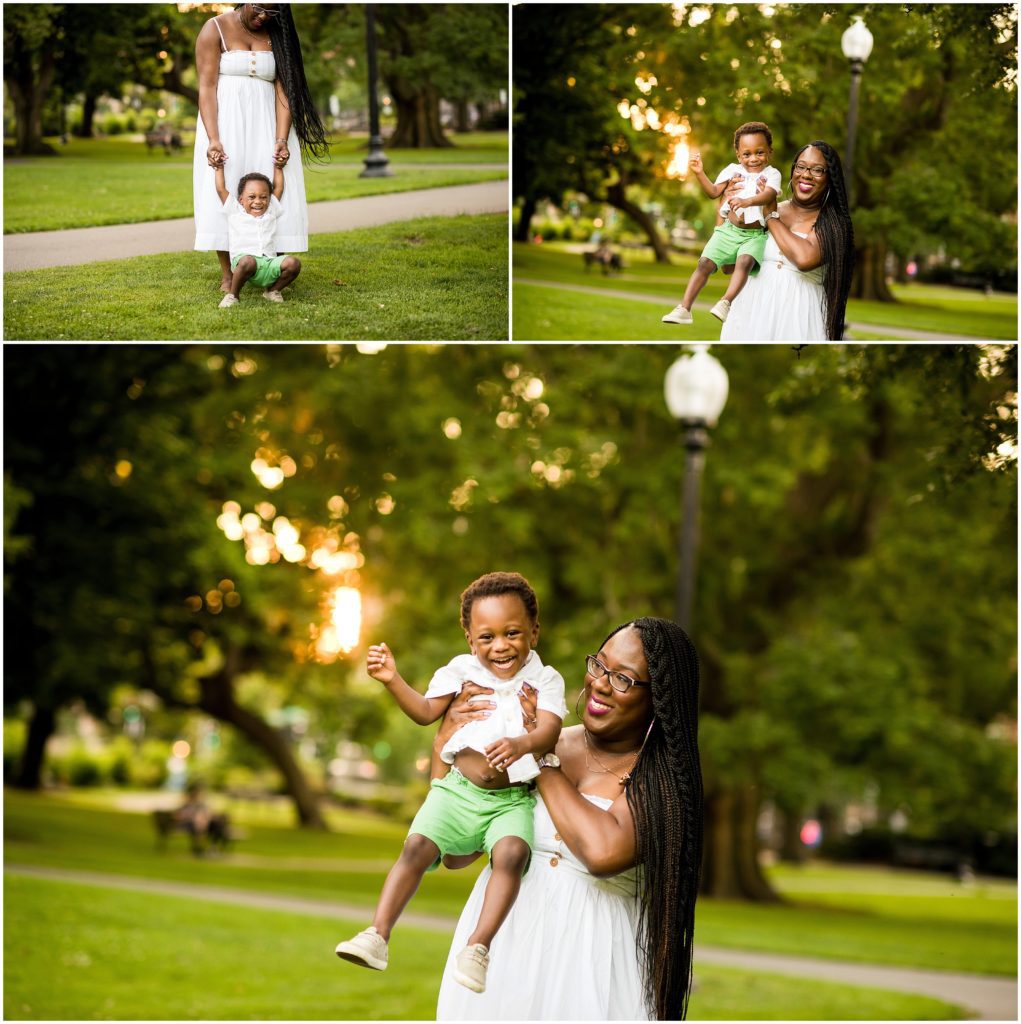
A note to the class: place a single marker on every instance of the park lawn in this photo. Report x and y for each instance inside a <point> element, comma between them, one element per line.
<point>115,181</point>
<point>434,278</point>
<point>939,924</point>
<point>123,955</point>
<point>935,308</point>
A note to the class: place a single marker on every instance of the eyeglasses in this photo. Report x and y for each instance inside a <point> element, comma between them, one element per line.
<point>262,10</point>
<point>816,171</point>
<point>620,682</point>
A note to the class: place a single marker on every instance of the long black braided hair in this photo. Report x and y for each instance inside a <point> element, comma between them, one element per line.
<point>835,232</point>
<point>665,799</point>
<point>305,118</point>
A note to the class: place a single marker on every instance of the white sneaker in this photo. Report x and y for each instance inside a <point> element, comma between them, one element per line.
<point>273,296</point>
<point>679,315</point>
<point>471,966</point>
<point>228,300</point>
<point>720,310</point>
<point>366,949</point>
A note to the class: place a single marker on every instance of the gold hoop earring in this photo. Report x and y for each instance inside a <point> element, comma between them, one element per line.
<point>581,693</point>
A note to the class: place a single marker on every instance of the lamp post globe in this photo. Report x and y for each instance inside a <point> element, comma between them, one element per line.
<point>856,42</point>
<point>695,388</point>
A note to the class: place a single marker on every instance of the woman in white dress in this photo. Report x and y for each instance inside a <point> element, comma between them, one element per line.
<point>800,292</point>
<point>592,937</point>
<point>254,109</point>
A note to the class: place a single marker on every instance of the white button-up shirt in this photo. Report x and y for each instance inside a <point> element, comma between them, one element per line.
<point>248,235</point>
<point>507,719</point>
<point>749,188</point>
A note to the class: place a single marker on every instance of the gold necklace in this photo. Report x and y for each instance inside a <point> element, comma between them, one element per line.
<point>603,769</point>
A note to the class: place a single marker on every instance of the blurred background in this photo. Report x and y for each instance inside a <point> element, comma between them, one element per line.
<point>200,542</point>
<point>611,100</point>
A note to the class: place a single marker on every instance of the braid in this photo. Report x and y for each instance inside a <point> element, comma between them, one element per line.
<point>665,799</point>
<point>835,232</point>
<point>308,126</point>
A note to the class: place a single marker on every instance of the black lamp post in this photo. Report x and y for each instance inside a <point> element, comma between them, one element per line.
<point>856,42</point>
<point>696,390</point>
<point>377,163</point>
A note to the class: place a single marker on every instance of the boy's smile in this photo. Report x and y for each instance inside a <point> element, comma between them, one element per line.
<point>501,634</point>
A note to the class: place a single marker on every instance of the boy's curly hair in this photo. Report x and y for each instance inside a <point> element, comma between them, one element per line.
<point>254,176</point>
<point>754,128</point>
<point>496,584</point>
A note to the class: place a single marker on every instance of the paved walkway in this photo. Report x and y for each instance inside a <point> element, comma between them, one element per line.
<point>36,249</point>
<point>891,333</point>
<point>986,996</point>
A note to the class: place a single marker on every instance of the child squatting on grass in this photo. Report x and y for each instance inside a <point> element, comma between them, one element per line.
<point>741,238</point>
<point>251,223</point>
<point>484,802</point>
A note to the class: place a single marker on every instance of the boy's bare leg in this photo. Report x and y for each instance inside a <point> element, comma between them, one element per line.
<point>290,268</point>
<point>403,881</point>
<point>702,273</point>
<point>242,272</point>
<point>508,861</point>
<point>741,271</point>
<point>226,274</point>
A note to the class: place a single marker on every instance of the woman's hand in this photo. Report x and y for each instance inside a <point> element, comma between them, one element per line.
<point>281,154</point>
<point>462,711</point>
<point>215,154</point>
<point>528,698</point>
<point>734,186</point>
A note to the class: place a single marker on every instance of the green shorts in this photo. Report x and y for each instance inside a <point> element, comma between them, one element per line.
<point>267,269</point>
<point>460,817</point>
<point>729,242</point>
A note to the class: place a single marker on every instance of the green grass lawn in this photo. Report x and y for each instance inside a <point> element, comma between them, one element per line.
<point>116,181</point>
<point>883,916</point>
<point>439,278</point>
<point>122,956</point>
<point>547,313</point>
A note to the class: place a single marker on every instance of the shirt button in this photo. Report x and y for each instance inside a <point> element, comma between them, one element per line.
<point>556,836</point>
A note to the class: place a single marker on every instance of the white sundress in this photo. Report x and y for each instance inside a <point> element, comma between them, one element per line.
<point>781,303</point>
<point>246,114</point>
<point>566,950</point>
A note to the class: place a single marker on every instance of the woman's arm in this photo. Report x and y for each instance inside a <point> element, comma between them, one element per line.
<point>281,154</point>
<point>207,63</point>
<point>804,253</point>
<point>604,841</point>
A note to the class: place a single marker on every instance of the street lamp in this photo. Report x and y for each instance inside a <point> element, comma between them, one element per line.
<point>856,42</point>
<point>377,164</point>
<point>696,391</point>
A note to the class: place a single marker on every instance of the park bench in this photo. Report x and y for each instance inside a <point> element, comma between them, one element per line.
<point>217,834</point>
<point>165,136</point>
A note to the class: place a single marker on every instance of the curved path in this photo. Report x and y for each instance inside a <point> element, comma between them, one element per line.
<point>892,333</point>
<point>34,250</point>
<point>985,996</point>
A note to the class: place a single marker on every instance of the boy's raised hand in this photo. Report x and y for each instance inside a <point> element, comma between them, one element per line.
<point>695,162</point>
<point>381,664</point>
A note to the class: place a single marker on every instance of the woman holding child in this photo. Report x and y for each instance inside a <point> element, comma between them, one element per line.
<point>591,935</point>
<point>800,293</point>
<point>255,108</point>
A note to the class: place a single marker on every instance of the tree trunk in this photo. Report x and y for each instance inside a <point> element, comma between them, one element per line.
<point>615,196</point>
<point>418,118</point>
<point>28,94</point>
<point>464,120</point>
<point>527,213</point>
<point>85,129</point>
<point>40,729</point>
<point>792,849</point>
<point>869,280</point>
<point>217,699</point>
<point>730,864</point>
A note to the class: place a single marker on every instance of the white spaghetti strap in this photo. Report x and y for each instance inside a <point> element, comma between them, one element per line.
<point>223,42</point>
